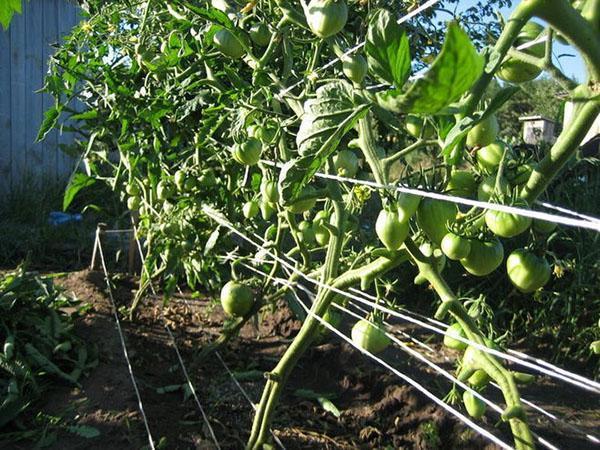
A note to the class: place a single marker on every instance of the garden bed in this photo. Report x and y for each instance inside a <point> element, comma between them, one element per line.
<point>377,409</point>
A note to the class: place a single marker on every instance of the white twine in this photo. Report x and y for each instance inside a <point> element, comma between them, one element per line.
<point>461,417</point>
<point>193,389</point>
<point>175,346</point>
<point>122,338</point>
<point>587,384</point>
<point>592,225</point>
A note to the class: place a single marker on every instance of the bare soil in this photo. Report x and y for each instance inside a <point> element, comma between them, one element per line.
<point>378,410</point>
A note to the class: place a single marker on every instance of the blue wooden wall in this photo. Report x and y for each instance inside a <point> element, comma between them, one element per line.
<point>24,51</point>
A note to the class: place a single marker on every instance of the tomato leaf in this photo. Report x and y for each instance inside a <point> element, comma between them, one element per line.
<point>387,49</point>
<point>452,73</point>
<point>327,118</point>
<point>7,10</point>
<point>50,119</point>
<point>77,182</point>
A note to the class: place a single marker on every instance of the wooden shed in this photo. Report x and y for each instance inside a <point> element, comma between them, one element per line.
<point>24,52</point>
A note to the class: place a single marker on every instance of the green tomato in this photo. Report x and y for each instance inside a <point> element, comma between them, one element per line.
<point>253,130</point>
<point>543,226</point>
<point>414,127</point>
<point>355,68</point>
<point>452,332</point>
<point>207,178</point>
<point>334,318</point>
<point>269,191</point>
<point>462,183</point>
<point>306,233</point>
<point>516,71</point>
<point>434,216</point>
<point>260,34</point>
<point>321,232</point>
<point>346,163</point>
<point>248,153</point>
<point>488,185</point>
<point>484,133</point>
<point>505,224</point>
<point>474,406</point>
<point>163,190</point>
<point>228,44</point>
<point>132,189</point>
<point>390,230</point>
<point>368,337</point>
<point>520,174</point>
<point>326,17</point>
<point>484,257</point>
<point>236,299</point>
<point>455,247</point>
<point>266,210</point>
<point>306,201</point>
<point>479,379</point>
<point>250,209</point>
<point>527,271</point>
<point>490,156</point>
<point>268,132</point>
<point>595,347</point>
<point>133,203</point>
<point>407,206</point>
<point>179,179</point>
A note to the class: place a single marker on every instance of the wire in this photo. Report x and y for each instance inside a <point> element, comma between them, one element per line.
<point>192,388</point>
<point>245,394</point>
<point>175,346</point>
<point>408,380</point>
<point>587,385</point>
<point>593,225</point>
<point>421,357</point>
<point>98,243</point>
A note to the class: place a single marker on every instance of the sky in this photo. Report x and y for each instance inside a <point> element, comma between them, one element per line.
<point>571,66</point>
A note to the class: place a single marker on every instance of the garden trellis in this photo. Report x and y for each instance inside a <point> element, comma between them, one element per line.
<point>210,128</point>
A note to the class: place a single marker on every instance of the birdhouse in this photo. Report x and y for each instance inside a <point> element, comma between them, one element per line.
<point>538,129</point>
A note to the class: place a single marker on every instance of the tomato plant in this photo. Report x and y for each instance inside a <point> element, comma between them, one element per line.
<point>218,111</point>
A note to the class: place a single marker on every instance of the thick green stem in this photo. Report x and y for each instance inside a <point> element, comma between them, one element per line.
<point>514,412</point>
<point>367,143</point>
<point>279,375</point>
<point>565,19</point>
<point>561,151</point>
<point>520,16</point>
<point>387,162</point>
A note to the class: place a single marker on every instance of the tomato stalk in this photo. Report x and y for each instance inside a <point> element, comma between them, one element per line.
<point>295,232</point>
<point>366,142</point>
<point>387,162</point>
<point>543,64</point>
<point>565,19</point>
<point>279,375</point>
<point>514,411</point>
